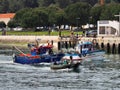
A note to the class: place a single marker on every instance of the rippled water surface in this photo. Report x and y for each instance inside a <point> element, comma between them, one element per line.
<point>92,75</point>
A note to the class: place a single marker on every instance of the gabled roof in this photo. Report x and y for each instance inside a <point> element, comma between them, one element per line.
<point>7,15</point>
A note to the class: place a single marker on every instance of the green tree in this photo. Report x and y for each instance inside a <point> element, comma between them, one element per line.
<point>30,18</point>
<point>60,18</point>
<point>95,14</point>
<point>52,10</point>
<point>42,16</point>
<point>20,15</point>
<point>63,3</point>
<point>12,24</point>
<point>78,13</point>
<point>48,2</point>
<point>15,5</point>
<point>2,24</point>
<point>109,11</point>
<point>30,3</point>
<point>4,6</point>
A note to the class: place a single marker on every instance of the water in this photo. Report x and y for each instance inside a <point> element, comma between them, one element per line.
<point>93,75</point>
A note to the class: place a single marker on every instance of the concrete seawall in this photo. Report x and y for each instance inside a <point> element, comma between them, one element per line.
<point>44,39</point>
<point>28,38</point>
<point>105,40</point>
<point>14,40</point>
<point>109,44</point>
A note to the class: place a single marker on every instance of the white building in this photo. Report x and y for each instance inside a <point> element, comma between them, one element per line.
<point>108,28</point>
<point>6,17</point>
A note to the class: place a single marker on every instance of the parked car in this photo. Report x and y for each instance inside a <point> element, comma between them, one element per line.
<point>91,33</point>
<point>18,29</point>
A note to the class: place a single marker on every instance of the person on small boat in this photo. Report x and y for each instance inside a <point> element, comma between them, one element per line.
<point>65,62</point>
<point>71,60</point>
<point>34,49</point>
<point>55,63</point>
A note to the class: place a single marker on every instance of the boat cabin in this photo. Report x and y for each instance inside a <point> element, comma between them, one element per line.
<point>84,47</point>
<point>41,50</point>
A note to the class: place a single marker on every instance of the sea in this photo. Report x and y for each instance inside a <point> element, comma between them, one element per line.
<point>101,74</point>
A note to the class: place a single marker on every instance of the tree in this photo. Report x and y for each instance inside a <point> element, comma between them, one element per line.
<point>60,18</point>
<point>30,18</point>
<point>4,6</point>
<point>19,16</point>
<point>42,16</point>
<point>2,24</point>
<point>78,10</point>
<point>63,3</point>
<point>109,11</point>
<point>95,14</point>
<point>48,2</point>
<point>15,5</point>
<point>12,24</point>
<point>52,10</point>
<point>30,3</point>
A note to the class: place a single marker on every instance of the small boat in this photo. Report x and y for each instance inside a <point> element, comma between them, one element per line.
<point>64,66</point>
<point>75,57</point>
<point>67,61</point>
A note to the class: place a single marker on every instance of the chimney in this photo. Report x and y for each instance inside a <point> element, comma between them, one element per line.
<point>102,2</point>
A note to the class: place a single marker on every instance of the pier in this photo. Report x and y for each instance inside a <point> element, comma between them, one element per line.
<point>109,44</point>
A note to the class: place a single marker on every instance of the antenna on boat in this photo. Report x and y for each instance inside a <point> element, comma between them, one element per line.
<point>37,41</point>
<point>19,50</point>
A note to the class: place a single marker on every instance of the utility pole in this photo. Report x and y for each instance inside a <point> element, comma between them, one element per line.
<point>119,23</point>
<point>77,23</point>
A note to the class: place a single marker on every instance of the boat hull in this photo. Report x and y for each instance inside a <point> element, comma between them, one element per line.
<point>26,60</point>
<point>64,66</point>
<point>36,59</point>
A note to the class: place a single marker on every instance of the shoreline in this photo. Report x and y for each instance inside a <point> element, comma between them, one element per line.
<point>8,42</point>
<point>22,41</point>
<point>10,45</point>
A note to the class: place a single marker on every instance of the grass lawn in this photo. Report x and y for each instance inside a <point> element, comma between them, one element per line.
<point>54,33</point>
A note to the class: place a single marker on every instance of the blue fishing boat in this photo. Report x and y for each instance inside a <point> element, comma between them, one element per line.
<point>29,59</point>
<point>43,54</point>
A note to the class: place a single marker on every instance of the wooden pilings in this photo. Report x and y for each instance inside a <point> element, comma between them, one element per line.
<point>119,48</point>
<point>110,48</point>
<point>66,44</point>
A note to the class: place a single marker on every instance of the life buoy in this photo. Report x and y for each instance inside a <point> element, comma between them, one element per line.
<point>94,41</point>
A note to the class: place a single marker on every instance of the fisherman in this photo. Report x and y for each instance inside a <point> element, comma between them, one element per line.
<point>71,60</point>
<point>35,48</point>
<point>55,63</point>
<point>65,62</point>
